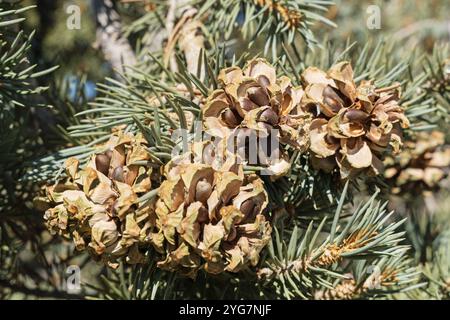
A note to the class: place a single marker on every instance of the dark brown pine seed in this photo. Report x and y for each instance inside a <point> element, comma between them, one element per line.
<point>269,116</point>
<point>331,140</point>
<point>109,154</point>
<point>263,81</point>
<point>258,96</point>
<point>248,105</point>
<point>230,118</point>
<point>356,115</point>
<point>332,99</point>
<point>102,163</point>
<point>202,215</point>
<point>247,207</point>
<point>118,174</point>
<point>232,235</point>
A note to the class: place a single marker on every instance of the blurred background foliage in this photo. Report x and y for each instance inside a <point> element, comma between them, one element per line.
<point>33,264</point>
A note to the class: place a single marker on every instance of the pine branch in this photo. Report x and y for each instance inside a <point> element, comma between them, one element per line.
<point>16,73</point>
<point>135,283</point>
<point>428,99</point>
<point>296,267</point>
<point>322,246</point>
<point>280,21</point>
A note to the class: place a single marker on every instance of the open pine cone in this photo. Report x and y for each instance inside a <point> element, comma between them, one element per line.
<point>255,98</point>
<point>421,166</point>
<point>97,206</point>
<point>209,219</point>
<point>353,125</point>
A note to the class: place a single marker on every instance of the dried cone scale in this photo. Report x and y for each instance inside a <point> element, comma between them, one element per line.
<point>255,98</point>
<point>97,205</point>
<point>209,219</point>
<point>353,125</point>
<point>421,166</point>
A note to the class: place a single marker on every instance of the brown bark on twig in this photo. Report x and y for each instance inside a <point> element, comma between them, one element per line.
<point>187,34</point>
<point>114,45</point>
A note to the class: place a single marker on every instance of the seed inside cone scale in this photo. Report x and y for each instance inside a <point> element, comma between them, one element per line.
<point>118,174</point>
<point>248,105</point>
<point>329,92</point>
<point>203,191</point>
<point>333,104</point>
<point>331,140</point>
<point>232,235</point>
<point>332,99</point>
<point>109,153</point>
<point>230,118</point>
<point>263,81</point>
<point>356,115</point>
<point>269,116</point>
<point>247,207</point>
<point>202,215</point>
<point>102,163</point>
<point>258,96</point>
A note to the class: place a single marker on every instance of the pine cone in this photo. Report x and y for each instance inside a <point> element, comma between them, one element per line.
<point>97,206</point>
<point>209,219</point>
<point>255,98</point>
<point>421,166</point>
<point>353,125</point>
